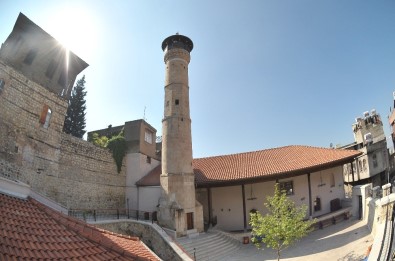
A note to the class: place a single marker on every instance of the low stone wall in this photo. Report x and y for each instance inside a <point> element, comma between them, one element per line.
<point>377,213</point>
<point>159,242</point>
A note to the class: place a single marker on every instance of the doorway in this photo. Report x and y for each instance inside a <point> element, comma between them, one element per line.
<point>360,207</point>
<point>189,220</point>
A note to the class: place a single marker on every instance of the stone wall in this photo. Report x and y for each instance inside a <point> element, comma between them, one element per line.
<point>150,236</point>
<point>91,174</point>
<point>72,172</point>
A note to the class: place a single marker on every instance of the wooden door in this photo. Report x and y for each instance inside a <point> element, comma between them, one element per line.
<point>190,220</point>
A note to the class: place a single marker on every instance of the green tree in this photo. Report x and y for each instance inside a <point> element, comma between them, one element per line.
<point>282,226</point>
<point>74,122</point>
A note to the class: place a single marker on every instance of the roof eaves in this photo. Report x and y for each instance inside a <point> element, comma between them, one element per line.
<point>279,175</point>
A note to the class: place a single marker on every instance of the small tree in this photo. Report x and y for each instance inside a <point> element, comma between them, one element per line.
<point>74,122</point>
<point>282,226</point>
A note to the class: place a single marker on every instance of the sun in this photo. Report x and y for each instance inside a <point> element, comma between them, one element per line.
<point>75,28</point>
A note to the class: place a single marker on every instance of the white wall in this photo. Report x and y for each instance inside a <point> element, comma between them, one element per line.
<point>260,191</point>
<point>227,202</point>
<point>321,187</point>
<point>149,198</point>
<point>136,168</point>
<point>228,207</point>
<point>301,191</point>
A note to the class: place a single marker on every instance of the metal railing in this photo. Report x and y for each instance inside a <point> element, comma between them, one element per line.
<point>93,215</point>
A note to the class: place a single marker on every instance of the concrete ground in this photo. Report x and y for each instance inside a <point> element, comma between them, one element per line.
<point>345,241</point>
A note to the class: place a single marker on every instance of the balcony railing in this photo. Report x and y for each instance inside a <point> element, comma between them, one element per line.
<point>93,215</point>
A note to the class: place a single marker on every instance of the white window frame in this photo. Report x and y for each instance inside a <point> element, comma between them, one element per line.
<point>148,136</point>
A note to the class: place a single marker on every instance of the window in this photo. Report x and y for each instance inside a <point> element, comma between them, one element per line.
<point>30,57</point>
<point>332,180</point>
<point>63,79</point>
<point>148,160</point>
<point>148,136</point>
<point>359,165</point>
<point>374,158</point>
<point>177,101</point>
<point>288,187</point>
<point>51,69</point>
<point>2,83</point>
<point>364,164</point>
<point>317,204</point>
<point>45,117</point>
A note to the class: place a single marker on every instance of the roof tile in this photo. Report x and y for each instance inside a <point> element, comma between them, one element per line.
<point>32,231</point>
<point>263,164</point>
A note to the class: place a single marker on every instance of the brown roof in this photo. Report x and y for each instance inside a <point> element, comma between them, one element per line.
<point>260,165</point>
<point>33,231</point>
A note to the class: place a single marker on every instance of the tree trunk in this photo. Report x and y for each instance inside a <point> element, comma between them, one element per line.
<point>278,254</point>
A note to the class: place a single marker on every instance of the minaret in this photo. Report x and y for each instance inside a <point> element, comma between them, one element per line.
<point>178,208</point>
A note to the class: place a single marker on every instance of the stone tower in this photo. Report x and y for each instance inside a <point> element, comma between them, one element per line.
<point>178,208</point>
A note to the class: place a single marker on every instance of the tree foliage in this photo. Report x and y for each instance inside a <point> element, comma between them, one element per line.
<point>99,141</point>
<point>117,145</point>
<point>282,226</point>
<point>74,122</point>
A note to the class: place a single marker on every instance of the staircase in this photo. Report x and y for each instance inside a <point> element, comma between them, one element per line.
<point>209,246</point>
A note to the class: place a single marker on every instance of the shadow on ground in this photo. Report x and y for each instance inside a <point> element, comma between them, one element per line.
<point>345,241</point>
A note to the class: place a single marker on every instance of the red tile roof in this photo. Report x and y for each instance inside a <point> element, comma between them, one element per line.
<point>32,231</point>
<point>260,165</point>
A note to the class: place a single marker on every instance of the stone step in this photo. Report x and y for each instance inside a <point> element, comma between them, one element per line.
<point>201,239</point>
<point>212,245</point>
<point>217,253</point>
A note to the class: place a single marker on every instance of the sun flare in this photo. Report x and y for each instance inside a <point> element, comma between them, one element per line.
<point>75,29</point>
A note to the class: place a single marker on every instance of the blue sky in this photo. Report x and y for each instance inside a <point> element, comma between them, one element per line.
<point>263,74</point>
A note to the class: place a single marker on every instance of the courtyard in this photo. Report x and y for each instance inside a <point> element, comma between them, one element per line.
<point>345,241</point>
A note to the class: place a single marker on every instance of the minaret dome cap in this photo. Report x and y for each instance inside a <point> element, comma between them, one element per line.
<point>177,41</point>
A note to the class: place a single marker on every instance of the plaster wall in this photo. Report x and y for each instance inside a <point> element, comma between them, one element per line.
<point>322,186</point>
<point>137,167</point>
<point>228,207</point>
<point>149,198</point>
<point>227,203</point>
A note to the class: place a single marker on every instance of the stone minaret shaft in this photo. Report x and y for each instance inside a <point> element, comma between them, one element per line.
<point>176,124</point>
<point>177,208</point>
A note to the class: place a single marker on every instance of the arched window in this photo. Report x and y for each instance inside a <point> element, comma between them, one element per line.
<point>374,158</point>
<point>45,117</point>
<point>359,165</point>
